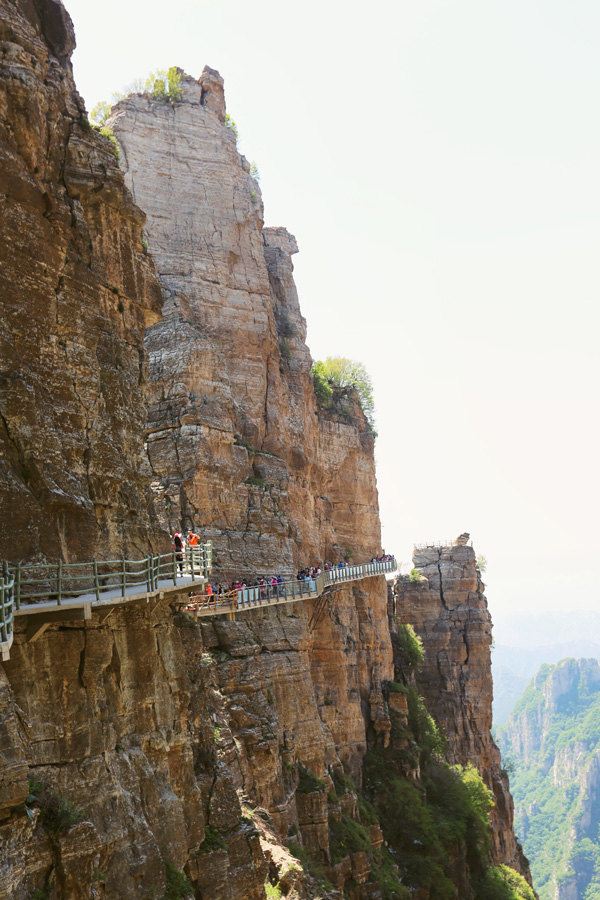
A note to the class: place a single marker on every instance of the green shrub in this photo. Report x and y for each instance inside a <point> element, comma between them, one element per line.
<point>100,113</point>
<point>343,783</point>
<point>415,576</point>
<point>311,865</point>
<point>285,351</point>
<point>254,171</point>
<point>347,836</point>
<point>307,782</point>
<point>481,562</point>
<point>107,132</point>
<point>213,840</point>
<point>410,646</point>
<point>164,84</point>
<point>41,894</point>
<point>503,883</point>
<point>423,727</point>
<point>322,386</point>
<point>58,814</point>
<point>256,481</point>
<point>394,687</point>
<point>385,873</point>
<point>339,372</point>
<point>231,124</point>
<point>272,891</point>
<point>178,885</point>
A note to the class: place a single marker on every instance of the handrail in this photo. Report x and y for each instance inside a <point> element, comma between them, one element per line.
<point>61,581</point>
<point>7,606</point>
<point>287,591</point>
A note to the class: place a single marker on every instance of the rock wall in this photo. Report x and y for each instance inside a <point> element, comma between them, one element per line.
<point>160,725</point>
<point>236,442</point>
<point>76,291</point>
<point>448,610</point>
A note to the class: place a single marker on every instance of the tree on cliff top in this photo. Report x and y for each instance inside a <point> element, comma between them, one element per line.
<point>339,372</point>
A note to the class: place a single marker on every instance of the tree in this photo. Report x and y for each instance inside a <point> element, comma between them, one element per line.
<point>339,372</point>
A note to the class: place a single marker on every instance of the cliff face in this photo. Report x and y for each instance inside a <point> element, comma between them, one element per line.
<point>236,444</point>
<point>76,291</point>
<point>552,737</point>
<point>447,607</point>
<point>156,721</point>
<point>141,744</point>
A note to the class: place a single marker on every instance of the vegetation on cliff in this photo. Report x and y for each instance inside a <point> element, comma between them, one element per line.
<point>336,377</point>
<point>553,739</point>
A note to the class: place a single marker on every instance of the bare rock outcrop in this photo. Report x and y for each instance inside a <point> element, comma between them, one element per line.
<point>236,442</point>
<point>76,292</point>
<point>448,610</point>
<point>114,724</point>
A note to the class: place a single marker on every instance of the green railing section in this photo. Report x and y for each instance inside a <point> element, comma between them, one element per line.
<point>288,591</point>
<point>51,585</point>
<point>7,606</point>
<point>57,582</point>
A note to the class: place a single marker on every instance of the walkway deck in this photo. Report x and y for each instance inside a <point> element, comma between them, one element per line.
<point>103,598</point>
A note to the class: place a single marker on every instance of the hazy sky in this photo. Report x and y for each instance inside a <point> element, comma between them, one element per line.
<point>438,163</point>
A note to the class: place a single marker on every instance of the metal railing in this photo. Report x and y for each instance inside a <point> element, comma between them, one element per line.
<point>27,585</point>
<point>287,591</point>
<point>350,573</point>
<point>7,606</point>
<point>57,582</point>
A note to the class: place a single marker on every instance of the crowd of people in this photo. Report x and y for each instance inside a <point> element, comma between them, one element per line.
<point>266,584</point>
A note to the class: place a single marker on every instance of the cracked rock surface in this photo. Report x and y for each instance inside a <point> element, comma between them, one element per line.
<point>236,442</point>
<point>449,612</point>
<point>76,292</point>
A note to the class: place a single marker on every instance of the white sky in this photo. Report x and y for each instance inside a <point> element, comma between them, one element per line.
<point>438,162</point>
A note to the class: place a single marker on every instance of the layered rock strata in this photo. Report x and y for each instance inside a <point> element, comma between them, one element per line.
<point>158,727</point>
<point>444,601</point>
<point>236,442</point>
<point>76,292</point>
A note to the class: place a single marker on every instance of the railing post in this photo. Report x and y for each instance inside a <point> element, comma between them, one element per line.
<point>96,583</point>
<point>174,568</point>
<point>3,632</point>
<point>192,554</point>
<point>148,582</point>
<point>59,581</point>
<point>123,577</point>
<point>18,586</point>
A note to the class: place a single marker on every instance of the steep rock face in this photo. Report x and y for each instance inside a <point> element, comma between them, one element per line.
<point>236,444</point>
<point>115,721</point>
<point>448,610</point>
<point>157,721</point>
<point>552,737</point>
<point>76,291</point>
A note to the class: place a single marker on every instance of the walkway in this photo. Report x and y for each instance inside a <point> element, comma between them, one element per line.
<point>289,592</point>
<point>66,592</point>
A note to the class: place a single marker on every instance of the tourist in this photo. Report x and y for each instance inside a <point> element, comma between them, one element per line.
<point>178,547</point>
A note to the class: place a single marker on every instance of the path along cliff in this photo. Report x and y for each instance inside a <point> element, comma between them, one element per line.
<point>143,753</point>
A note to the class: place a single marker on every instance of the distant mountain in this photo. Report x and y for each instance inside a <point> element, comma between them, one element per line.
<point>551,742</point>
<point>514,666</point>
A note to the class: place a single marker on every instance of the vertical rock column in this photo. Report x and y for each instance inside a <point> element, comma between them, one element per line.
<point>449,611</point>
<point>235,441</point>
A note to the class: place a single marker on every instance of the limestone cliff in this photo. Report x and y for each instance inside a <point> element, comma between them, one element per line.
<point>236,442</point>
<point>443,600</point>
<point>76,291</point>
<point>143,753</point>
<point>553,741</point>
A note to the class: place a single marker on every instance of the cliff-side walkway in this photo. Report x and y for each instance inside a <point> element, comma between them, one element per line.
<point>46,593</point>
